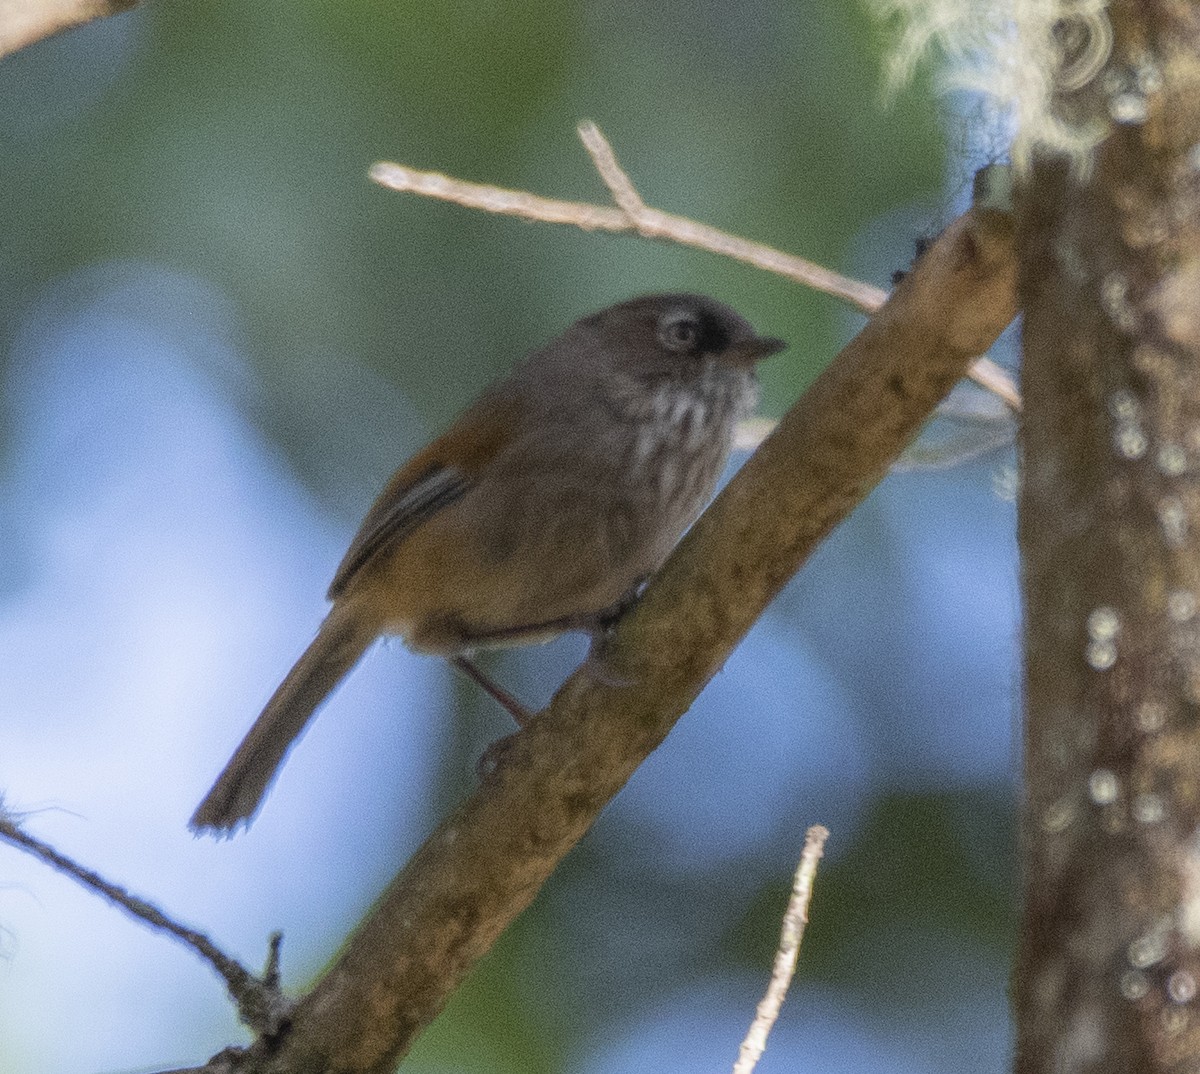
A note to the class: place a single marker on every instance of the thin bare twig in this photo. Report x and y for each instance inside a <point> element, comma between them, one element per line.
<point>794,920</point>
<point>259,1002</point>
<point>615,177</point>
<point>632,215</point>
<point>997,380</point>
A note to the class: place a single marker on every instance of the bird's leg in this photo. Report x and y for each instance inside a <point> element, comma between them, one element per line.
<point>608,619</point>
<point>597,625</point>
<point>601,629</point>
<point>506,700</point>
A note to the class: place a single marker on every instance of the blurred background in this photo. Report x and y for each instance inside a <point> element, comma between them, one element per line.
<point>218,338</point>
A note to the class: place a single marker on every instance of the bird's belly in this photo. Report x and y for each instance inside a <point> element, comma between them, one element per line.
<point>531,560</point>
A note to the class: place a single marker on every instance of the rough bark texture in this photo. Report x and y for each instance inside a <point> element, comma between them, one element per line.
<point>486,862</point>
<point>1110,535</point>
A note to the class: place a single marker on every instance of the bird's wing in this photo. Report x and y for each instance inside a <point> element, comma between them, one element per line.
<point>436,477</point>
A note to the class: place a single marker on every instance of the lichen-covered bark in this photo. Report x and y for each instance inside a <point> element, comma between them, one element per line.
<point>1109,965</point>
<point>486,861</point>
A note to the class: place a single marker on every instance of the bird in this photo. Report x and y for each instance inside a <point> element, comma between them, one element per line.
<point>541,510</point>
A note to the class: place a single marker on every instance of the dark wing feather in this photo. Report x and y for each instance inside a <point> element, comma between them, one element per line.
<point>392,519</point>
<point>432,480</point>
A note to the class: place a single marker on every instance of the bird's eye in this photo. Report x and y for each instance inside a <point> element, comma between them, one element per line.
<point>680,332</point>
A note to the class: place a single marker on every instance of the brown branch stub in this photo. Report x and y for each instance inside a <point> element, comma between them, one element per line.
<point>795,917</point>
<point>487,860</point>
<point>22,22</point>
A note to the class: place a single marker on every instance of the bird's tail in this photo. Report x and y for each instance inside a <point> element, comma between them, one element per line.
<point>240,788</point>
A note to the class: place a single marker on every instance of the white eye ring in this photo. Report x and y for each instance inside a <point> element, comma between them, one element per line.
<point>680,332</point>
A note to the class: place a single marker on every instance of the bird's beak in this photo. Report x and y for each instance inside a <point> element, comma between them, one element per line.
<point>749,351</point>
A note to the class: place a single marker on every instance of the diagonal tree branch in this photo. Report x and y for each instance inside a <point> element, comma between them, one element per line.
<point>487,860</point>
<point>632,215</point>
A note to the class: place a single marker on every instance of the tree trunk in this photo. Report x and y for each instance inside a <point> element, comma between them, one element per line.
<point>1108,968</point>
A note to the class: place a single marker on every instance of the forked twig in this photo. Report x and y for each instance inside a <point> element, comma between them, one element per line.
<point>794,920</point>
<point>260,1004</point>
<point>632,215</point>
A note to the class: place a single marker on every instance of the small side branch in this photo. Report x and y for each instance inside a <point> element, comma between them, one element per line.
<point>260,1004</point>
<point>794,920</point>
<point>631,215</point>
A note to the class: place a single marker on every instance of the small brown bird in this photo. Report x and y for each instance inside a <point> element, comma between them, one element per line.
<point>540,510</point>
